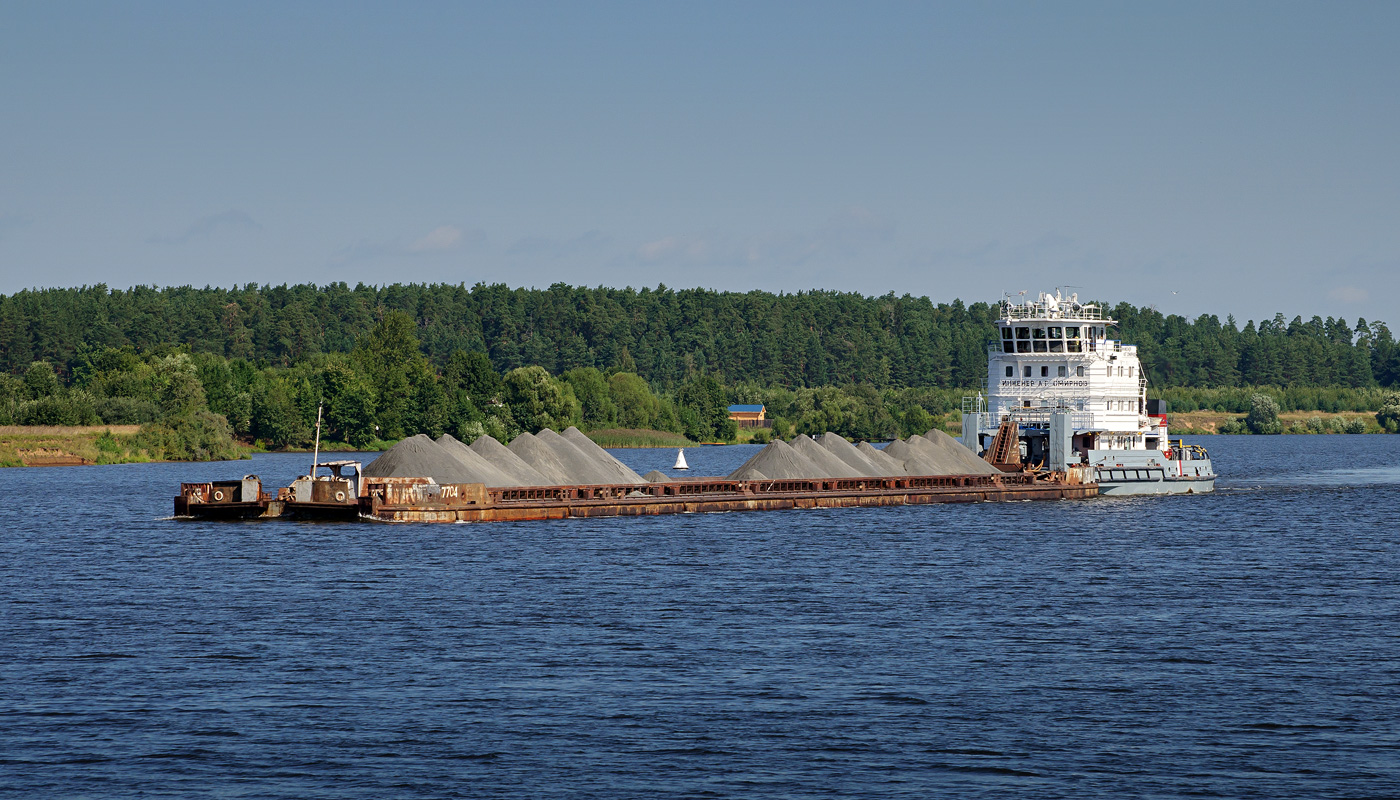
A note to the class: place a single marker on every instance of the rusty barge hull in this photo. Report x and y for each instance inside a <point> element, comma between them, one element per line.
<point>417,500</point>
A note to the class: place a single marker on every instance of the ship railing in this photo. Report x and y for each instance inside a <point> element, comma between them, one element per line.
<point>1037,417</point>
<point>1036,310</point>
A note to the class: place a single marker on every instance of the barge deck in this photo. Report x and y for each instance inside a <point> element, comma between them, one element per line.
<point>421,500</point>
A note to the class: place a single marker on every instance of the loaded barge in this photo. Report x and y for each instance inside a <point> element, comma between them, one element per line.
<point>349,495</point>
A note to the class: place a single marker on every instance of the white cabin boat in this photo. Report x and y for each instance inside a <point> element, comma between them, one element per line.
<point>1073,395</point>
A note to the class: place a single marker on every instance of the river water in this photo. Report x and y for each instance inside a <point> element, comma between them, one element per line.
<point>1241,644</point>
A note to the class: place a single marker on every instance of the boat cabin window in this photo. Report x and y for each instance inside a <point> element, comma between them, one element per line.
<point>1073,346</point>
<point>1037,333</point>
<point>1079,372</point>
<point>1044,372</point>
<point>1010,371</point>
<point>1008,347</point>
<point>1072,333</point>
<point>1063,371</point>
<point>1006,333</point>
<point>1130,372</point>
<point>1055,332</point>
<point>1023,333</point>
<point>1057,346</point>
<point>1023,346</point>
<point>1026,371</point>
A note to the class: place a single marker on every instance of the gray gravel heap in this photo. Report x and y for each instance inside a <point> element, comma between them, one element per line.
<point>852,456</point>
<point>886,463</point>
<point>656,476</point>
<point>483,469</point>
<point>779,462</point>
<point>540,456</point>
<point>932,453</point>
<point>913,461</point>
<point>749,474</point>
<point>509,463</point>
<point>616,471</point>
<point>831,466</point>
<point>420,457</point>
<point>578,466</point>
<point>971,463</point>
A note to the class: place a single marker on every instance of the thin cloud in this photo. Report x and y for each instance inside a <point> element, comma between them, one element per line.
<point>205,227</point>
<point>847,235</point>
<point>1349,294</point>
<point>442,239</point>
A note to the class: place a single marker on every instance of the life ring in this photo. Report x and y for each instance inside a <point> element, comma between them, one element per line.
<point>218,494</point>
<point>340,497</point>
<point>1167,454</point>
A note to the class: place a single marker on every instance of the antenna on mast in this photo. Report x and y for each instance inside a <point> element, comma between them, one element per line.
<point>316,450</point>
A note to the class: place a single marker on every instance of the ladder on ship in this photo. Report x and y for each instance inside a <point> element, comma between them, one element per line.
<point>1005,452</point>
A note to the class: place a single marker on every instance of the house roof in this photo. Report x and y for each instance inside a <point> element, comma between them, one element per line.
<point>745,409</point>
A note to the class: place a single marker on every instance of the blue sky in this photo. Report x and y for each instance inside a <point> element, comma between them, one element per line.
<point>1211,157</point>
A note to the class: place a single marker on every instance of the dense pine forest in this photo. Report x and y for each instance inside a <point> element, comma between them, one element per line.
<point>198,365</point>
<point>806,339</point>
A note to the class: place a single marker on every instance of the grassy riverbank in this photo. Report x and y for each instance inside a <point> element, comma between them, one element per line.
<point>64,445</point>
<point>637,437</point>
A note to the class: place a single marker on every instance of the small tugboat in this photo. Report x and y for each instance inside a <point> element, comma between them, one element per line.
<point>1061,392</point>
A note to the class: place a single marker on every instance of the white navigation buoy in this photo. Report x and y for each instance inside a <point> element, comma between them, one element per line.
<point>680,460</point>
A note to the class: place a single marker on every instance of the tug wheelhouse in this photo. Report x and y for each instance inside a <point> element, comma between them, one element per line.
<point>1075,395</point>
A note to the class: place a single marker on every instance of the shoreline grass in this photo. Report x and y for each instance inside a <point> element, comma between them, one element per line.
<point>637,437</point>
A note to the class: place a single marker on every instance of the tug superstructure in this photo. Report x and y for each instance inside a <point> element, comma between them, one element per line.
<point>1062,392</point>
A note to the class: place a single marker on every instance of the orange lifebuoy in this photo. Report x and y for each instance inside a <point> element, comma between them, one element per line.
<point>1167,454</point>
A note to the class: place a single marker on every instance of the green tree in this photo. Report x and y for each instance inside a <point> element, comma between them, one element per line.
<point>1263,415</point>
<point>538,401</point>
<point>387,356</point>
<point>40,381</point>
<point>349,402</point>
<point>594,396</point>
<point>1389,414</point>
<point>637,407</point>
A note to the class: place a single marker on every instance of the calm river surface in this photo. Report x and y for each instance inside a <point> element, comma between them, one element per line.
<point>1244,644</point>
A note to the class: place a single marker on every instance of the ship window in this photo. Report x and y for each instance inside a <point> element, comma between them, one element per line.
<point>1056,332</point>
<point>1079,372</point>
<point>1057,347</point>
<point>1026,371</point>
<point>1008,347</point>
<point>1044,372</point>
<point>1010,371</point>
<point>1073,346</point>
<point>1037,333</point>
<point>1023,333</point>
<point>1130,372</point>
<point>1023,347</point>
<point>1064,371</point>
<point>1006,333</point>
<point>1072,333</point>
<point>1040,346</point>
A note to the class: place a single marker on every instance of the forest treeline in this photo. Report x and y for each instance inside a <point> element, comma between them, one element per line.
<point>666,336</point>
<point>197,367</point>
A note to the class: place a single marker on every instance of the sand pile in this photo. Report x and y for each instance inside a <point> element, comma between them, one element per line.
<point>748,474</point>
<point>913,461</point>
<point>780,462</point>
<point>614,470</point>
<point>968,461</point>
<point>945,461</point>
<point>507,462</point>
<point>853,457</point>
<point>420,457</point>
<point>540,456</point>
<point>887,464</point>
<point>656,476</point>
<point>485,470</point>
<point>579,467</point>
<point>830,465</point>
